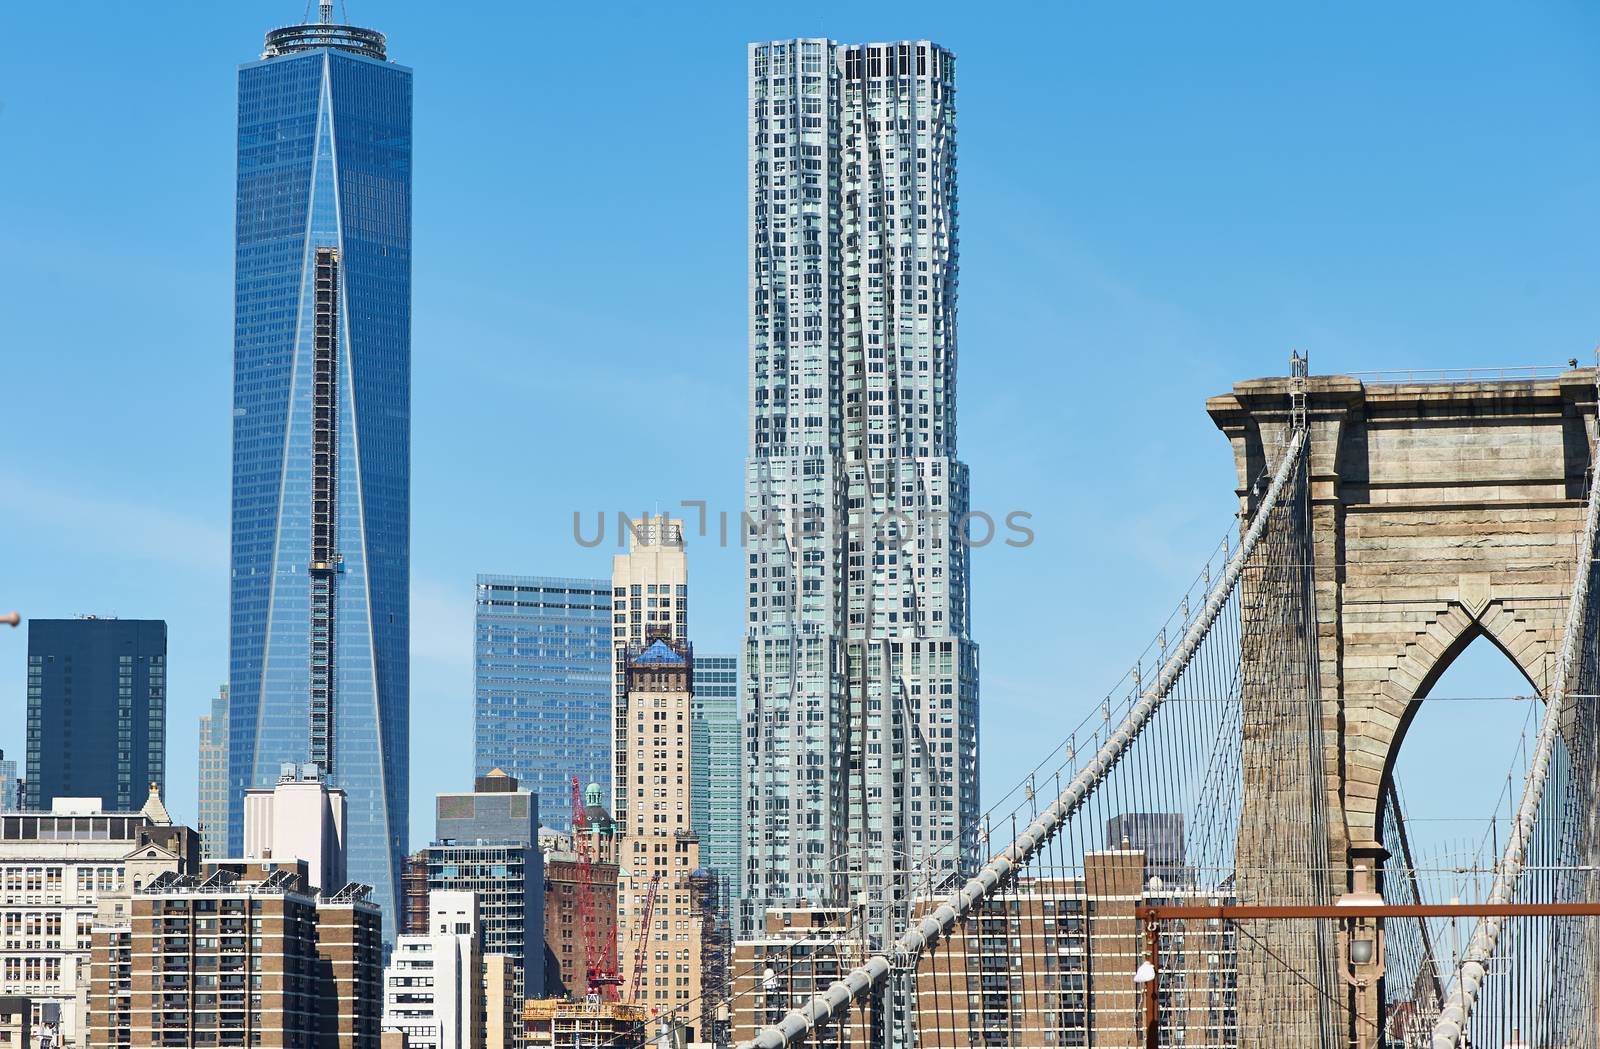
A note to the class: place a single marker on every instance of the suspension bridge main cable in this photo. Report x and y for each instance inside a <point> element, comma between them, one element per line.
<point>798,1024</point>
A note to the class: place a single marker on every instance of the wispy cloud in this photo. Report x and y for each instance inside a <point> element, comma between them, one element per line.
<point>107,526</point>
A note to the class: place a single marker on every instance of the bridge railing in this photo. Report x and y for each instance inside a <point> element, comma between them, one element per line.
<point>1521,373</point>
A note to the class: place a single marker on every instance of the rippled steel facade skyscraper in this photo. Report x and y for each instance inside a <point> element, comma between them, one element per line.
<point>321,434</point>
<point>861,673</point>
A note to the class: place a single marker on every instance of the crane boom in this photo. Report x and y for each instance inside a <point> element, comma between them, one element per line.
<point>644,935</point>
<point>599,973</point>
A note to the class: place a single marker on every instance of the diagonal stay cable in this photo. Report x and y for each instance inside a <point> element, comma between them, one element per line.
<point>1293,970</point>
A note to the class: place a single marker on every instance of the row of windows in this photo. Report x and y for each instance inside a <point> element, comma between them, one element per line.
<point>32,970</point>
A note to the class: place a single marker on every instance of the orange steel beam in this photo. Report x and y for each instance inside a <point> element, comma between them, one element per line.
<point>1153,914</point>
<point>1255,912</point>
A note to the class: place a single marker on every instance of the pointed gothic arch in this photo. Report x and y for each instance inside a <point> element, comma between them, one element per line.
<point>1438,512</point>
<point>1533,667</point>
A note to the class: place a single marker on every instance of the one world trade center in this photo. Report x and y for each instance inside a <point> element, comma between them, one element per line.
<point>321,434</point>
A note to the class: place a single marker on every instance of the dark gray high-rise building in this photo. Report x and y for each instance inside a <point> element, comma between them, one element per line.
<point>97,711</point>
<point>10,784</point>
<point>487,842</point>
<point>1159,835</point>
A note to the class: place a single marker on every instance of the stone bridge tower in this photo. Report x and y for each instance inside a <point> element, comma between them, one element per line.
<point>1439,511</point>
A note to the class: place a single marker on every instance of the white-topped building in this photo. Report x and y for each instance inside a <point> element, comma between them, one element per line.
<point>301,818</point>
<point>433,986</point>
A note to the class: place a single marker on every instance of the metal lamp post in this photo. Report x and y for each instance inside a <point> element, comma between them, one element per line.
<point>1361,952</point>
<point>1144,980</point>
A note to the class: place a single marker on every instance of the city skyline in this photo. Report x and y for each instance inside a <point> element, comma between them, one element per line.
<point>1426,325</point>
<point>1300,298</point>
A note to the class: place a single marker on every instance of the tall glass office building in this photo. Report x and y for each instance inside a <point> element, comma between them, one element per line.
<point>542,677</point>
<point>861,676</point>
<point>322,434</point>
<point>715,802</point>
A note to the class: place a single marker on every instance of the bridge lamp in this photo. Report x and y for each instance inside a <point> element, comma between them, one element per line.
<point>1361,937</point>
<point>1361,942</point>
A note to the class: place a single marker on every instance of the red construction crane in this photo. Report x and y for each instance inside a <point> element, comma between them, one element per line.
<point>644,936</point>
<point>601,971</point>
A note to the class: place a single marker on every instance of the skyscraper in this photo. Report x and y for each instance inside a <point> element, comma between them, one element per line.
<point>650,595</point>
<point>487,842</point>
<point>660,876</point>
<point>542,675</point>
<point>861,690</point>
<point>213,785</point>
<point>1159,835</point>
<point>8,784</point>
<point>321,433</point>
<point>717,753</point>
<point>97,710</point>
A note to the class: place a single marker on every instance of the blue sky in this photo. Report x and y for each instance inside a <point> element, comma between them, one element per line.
<point>1156,201</point>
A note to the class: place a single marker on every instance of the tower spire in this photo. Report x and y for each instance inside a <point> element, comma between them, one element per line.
<point>325,11</point>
